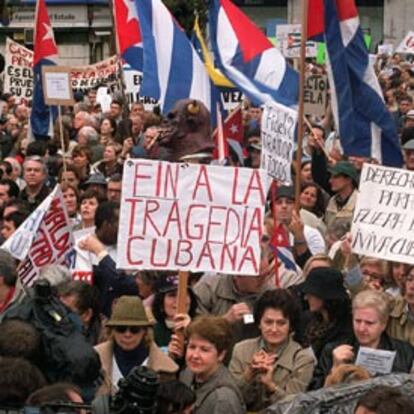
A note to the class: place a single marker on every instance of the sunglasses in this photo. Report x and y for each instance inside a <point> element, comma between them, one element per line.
<point>132,329</point>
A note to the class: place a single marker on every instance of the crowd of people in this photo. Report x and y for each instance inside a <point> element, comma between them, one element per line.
<point>243,343</point>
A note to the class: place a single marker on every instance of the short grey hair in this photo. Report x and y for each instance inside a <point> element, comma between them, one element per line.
<point>55,274</point>
<point>89,133</point>
<point>38,159</point>
<point>373,299</point>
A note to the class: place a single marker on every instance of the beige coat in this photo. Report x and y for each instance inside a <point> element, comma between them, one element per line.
<point>157,361</point>
<point>292,373</point>
<point>345,214</point>
<point>216,295</point>
<point>400,326</point>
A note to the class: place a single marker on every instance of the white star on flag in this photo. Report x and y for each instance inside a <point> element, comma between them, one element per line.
<point>49,32</point>
<point>234,129</point>
<point>132,11</point>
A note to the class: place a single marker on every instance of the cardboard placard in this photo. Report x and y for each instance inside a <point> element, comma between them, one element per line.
<point>383,221</point>
<point>191,217</point>
<point>18,72</point>
<point>57,89</point>
<point>315,95</point>
<point>278,134</point>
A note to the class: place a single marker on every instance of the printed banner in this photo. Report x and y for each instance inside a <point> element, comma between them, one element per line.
<point>18,73</point>
<point>44,238</point>
<point>278,134</point>
<point>383,222</point>
<point>191,217</point>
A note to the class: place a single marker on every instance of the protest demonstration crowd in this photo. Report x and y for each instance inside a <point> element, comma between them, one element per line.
<point>151,265</point>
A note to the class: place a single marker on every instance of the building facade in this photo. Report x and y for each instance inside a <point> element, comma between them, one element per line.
<point>84,29</point>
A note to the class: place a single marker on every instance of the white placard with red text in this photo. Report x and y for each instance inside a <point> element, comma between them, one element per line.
<point>44,238</point>
<point>191,217</point>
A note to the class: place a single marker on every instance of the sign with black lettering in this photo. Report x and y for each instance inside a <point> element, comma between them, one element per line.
<point>231,98</point>
<point>18,73</point>
<point>315,95</point>
<point>133,82</point>
<point>278,133</point>
<point>383,222</point>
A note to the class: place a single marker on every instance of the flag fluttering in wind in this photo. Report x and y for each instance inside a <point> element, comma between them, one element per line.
<point>45,53</point>
<point>365,125</point>
<point>248,59</point>
<point>128,33</point>
<point>172,68</point>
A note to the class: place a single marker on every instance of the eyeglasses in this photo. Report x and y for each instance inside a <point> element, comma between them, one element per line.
<point>132,329</point>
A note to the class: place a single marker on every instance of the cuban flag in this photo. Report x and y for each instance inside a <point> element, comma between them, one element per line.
<point>45,53</point>
<point>281,246</point>
<point>248,58</point>
<point>172,68</point>
<point>128,33</point>
<point>365,126</point>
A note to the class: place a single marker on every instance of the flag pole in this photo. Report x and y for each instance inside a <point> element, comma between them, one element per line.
<point>300,128</point>
<point>121,79</point>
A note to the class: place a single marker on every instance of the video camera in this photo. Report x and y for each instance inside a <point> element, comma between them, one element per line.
<point>137,394</point>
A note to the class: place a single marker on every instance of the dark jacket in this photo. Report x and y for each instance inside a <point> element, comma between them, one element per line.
<point>338,332</point>
<point>402,363</point>
<point>112,283</point>
<point>35,201</point>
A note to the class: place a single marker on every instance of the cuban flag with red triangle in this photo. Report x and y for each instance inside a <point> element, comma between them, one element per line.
<point>247,57</point>
<point>282,248</point>
<point>45,53</point>
<point>365,126</point>
<point>128,32</point>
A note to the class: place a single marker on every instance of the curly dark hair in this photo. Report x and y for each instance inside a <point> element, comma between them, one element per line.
<point>279,299</point>
<point>158,306</point>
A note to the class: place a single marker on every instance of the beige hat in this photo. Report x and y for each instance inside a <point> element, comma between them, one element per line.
<point>129,311</point>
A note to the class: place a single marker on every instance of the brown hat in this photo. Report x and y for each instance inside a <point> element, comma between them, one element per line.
<point>129,311</point>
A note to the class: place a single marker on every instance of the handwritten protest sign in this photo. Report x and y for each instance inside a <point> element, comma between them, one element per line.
<point>18,73</point>
<point>383,222</point>
<point>376,361</point>
<point>104,73</point>
<point>407,44</point>
<point>191,217</point>
<point>315,95</point>
<point>133,83</point>
<point>44,238</point>
<point>277,132</point>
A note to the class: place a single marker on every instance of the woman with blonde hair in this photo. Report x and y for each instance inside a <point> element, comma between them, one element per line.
<point>131,344</point>
<point>370,314</point>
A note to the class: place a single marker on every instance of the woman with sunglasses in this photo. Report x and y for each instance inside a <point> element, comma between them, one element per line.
<point>130,345</point>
